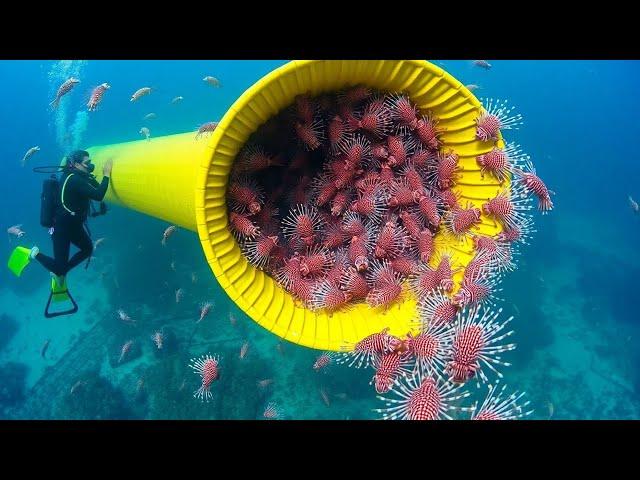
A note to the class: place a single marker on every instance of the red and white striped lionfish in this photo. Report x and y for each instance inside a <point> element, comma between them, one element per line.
<point>501,162</point>
<point>207,367</point>
<point>324,361</point>
<point>422,397</point>
<point>431,347</point>
<point>495,407</point>
<point>388,367</point>
<point>476,331</point>
<point>96,96</point>
<point>271,412</point>
<point>302,224</point>
<point>509,207</point>
<point>534,185</point>
<point>495,116</point>
<point>436,308</point>
<point>362,353</point>
<point>478,289</point>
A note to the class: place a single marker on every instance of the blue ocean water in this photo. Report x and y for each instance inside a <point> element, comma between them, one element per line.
<point>572,296</point>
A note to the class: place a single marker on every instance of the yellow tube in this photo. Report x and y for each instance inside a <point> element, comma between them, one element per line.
<point>156,177</point>
<point>183,181</point>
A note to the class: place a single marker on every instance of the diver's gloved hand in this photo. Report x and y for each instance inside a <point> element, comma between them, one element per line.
<point>103,210</point>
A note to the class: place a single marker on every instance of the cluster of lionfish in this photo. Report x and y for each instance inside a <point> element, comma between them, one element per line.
<point>426,373</point>
<point>364,185</point>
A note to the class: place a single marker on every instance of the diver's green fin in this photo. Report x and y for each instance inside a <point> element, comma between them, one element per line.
<point>59,293</point>
<point>19,259</point>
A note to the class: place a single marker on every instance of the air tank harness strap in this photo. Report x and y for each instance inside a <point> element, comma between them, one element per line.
<point>64,185</point>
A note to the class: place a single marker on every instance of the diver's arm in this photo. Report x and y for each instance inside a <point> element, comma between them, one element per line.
<point>94,193</point>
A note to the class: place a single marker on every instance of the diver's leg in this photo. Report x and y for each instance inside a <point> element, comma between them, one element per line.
<point>61,244</point>
<point>80,238</point>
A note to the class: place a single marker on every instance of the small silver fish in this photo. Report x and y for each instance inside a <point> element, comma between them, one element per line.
<point>16,230</point>
<point>140,93</point>
<point>63,90</point>
<point>472,86</point>
<point>633,204</point>
<point>482,64</point>
<point>28,155</point>
<point>167,233</point>
<point>265,383</point>
<point>325,397</point>
<point>213,81</point>
<point>179,295</point>
<point>177,99</point>
<point>76,385</point>
<point>149,116</point>
<point>244,349</point>
<point>145,131</point>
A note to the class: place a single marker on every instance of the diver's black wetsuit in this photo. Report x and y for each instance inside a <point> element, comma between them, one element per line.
<point>70,228</point>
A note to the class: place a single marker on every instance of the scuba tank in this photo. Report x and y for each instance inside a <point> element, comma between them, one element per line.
<point>49,200</point>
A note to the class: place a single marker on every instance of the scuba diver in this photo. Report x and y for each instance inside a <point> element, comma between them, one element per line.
<point>66,205</point>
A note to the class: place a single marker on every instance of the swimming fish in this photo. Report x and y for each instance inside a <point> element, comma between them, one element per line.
<point>125,349</point>
<point>205,308</point>
<point>98,242</point>
<point>16,230</point>
<point>271,412</point>
<point>124,317</point>
<point>140,93</point>
<point>145,131</point>
<point>194,277</point>
<point>472,86</point>
<point>265,383</point>
<point>158,339</point>
<point>167,233</point>
<point>244,349</point>
<point>177,99</point>
<point>96,96</point>
<point>206,128</point>
<point>179,295</point>
<point>325,397</point>
<point>33,150</point>
<point>45,347</point>
<point>149,116</point>
<point>633,204</point>
<point>213,81</point>
<point>63,90</point>
<point>482,64</point>
<point>76,385</point>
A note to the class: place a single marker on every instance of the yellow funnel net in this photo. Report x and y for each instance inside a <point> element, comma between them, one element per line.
<point>183,181</point>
